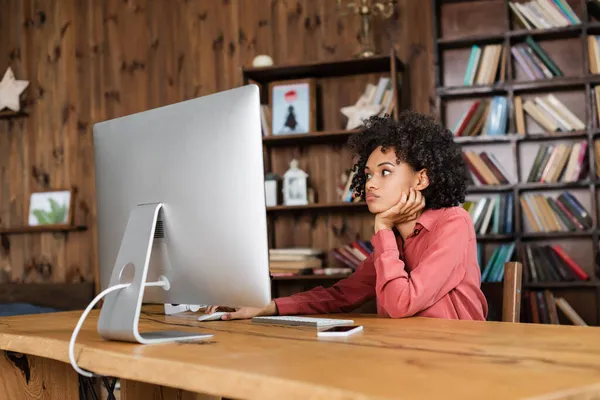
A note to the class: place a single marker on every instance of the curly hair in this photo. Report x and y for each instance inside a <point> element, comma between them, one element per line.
<point>421,143</point>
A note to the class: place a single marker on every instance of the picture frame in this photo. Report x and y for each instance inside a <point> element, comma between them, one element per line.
<point>53,207</point>
<point>293,106</point>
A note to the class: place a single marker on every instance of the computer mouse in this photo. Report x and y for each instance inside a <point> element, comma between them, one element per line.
<point>216,316</point>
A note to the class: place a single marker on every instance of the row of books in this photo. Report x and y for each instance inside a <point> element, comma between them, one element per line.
<point>351,255</point>
<point>483,117</point>
<point>485,169</point>
<point>549,263</point>
<point>492,214</point>
<point>485,66</point>
<point>548,112</point>
<point>542,14</point>
<point>534,61</point>
<point>561,214</point>
<point>493,271</point>
<point>565,162</point>
<point>542,308</point>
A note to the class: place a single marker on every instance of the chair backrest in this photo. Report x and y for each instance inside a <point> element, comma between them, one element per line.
<point>511,297</point>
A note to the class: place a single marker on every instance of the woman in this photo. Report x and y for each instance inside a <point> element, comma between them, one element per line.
<point>412,177</point>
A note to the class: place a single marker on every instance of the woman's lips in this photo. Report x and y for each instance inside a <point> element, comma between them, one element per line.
<point>371,197</point>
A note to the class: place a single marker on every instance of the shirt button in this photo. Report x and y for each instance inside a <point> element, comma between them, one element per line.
<point>416,232</point>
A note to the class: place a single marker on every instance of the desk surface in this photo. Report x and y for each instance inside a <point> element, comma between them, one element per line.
<point>408,358</point>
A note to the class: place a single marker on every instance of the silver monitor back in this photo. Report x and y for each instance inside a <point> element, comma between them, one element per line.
<point>202,160</point>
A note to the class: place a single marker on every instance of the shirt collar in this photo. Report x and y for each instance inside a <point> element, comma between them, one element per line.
<point>429,218</point>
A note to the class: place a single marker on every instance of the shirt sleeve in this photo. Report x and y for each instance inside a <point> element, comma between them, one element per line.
<point>441,268</point>
<point>344,296</point>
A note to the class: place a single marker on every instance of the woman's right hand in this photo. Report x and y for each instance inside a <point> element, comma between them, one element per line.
<point>243,312</point>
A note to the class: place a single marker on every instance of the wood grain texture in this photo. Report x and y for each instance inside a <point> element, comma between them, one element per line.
<point>27,377</point>
<point>132,390</point>
<point>465,359</point>
<point>88,61</point>
<point>511,299</point>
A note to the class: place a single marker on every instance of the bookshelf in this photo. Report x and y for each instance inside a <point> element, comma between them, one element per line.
<point>328,223</point>
<point>458,25</point>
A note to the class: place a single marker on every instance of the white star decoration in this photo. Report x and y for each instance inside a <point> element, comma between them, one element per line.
<point>359,112</point>
<point>10,91</point>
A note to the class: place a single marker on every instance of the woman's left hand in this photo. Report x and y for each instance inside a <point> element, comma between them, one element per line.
<point>404,211</point>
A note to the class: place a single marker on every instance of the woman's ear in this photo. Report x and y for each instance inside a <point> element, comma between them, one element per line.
<point>422,180</point>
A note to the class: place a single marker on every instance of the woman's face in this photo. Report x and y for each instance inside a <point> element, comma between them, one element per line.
<point>386,179</point>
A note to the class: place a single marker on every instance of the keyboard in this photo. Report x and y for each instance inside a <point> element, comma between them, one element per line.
<point>302,321</point>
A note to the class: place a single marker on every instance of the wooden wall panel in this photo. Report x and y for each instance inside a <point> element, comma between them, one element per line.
<point>90,60</point>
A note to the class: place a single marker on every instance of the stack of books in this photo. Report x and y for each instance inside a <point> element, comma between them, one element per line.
<point>543,307</point>
<point>492,214</point>
<point>483,117</point>
<point>534,60</point>
<point>351,255</point>
<point>493,271</point>
<point>543,14</point>
<point>485,66</point>
<point>485,169</point>
<point>550,113</point>
<point>563,214</point>
<point>294,261</point>
<point>565,162</point>
<point>550,263</point>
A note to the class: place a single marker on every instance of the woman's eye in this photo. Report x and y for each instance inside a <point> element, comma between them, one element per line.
<point>385,172</point>
<point>368,176</point>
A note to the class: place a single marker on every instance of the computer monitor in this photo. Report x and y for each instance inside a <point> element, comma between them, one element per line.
<point>180,194</point>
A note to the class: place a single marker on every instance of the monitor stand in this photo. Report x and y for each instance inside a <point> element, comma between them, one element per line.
<point>120,312</point>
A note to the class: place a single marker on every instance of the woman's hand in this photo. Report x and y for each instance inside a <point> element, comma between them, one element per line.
<point>404,211</point>
<point>243,312</point>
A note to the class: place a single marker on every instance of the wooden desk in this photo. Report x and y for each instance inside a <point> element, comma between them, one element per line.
<point>409,358</point>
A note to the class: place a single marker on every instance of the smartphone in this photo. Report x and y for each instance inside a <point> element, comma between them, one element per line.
<point>345,330</point>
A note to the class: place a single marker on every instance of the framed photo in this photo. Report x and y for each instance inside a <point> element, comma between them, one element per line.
<point>52,207</point>
<point>293,106</point>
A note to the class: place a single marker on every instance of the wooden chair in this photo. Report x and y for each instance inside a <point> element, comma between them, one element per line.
<point>511,296</point>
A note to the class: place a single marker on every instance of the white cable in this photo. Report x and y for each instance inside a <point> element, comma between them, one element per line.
<point>163,283</point>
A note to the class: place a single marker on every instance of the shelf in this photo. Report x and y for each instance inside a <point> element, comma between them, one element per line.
<point>558,285</point>
<point>355,66</point>
<point>485,139</point>
<point>538,137</point>
<point>565,32</point>
<point>556,235</point>
<point>558,83</point>
<point>505,237</point>
<point>549,84</point>
<point>9,114</point>
<point>469,41</point>
<point>313,137</point>
<point>469,91</point>
<point>322,207</point>
<point>489,188</point>
<point>531,186</point>
<point>514,137</point>
<point>42,229</point>
<point>310,277</point>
